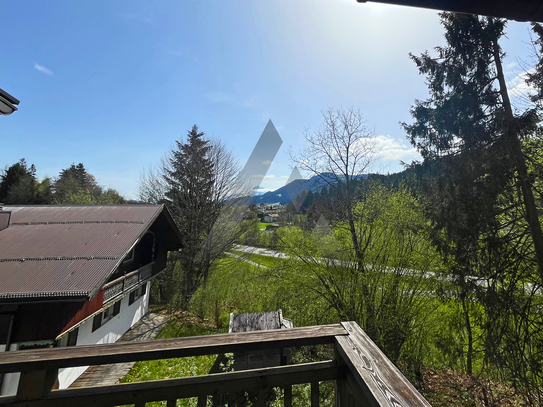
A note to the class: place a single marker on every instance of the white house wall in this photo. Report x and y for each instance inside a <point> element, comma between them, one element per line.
<point>11,380</point>
<point>109,332</point>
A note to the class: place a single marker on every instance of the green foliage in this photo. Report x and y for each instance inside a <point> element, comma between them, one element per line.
<point>321,283</point>
<point>17,184</point>
<point>385,293</point>
<point>234,286</point>
<point>251,235</point>
<point>76,186</point>
<point>173,368</point>
<point>480,180</point>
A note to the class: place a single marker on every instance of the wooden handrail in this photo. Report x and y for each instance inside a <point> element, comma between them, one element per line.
<point>118,280</point>
<point>364,376</point>
<point>372,378</point>
<point>220,383</point>
<point>47,359</point>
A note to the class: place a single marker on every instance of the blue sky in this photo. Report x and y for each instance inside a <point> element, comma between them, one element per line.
<point>114,84</point>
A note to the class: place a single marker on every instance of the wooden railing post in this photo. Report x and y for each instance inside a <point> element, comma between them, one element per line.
<point>315,394</point>
<point>261,397</point>
<point>288,396</point>
<point>37,384</point>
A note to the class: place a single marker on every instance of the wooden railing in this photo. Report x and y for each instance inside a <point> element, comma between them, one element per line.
<point>363,375</point>
<point>119,286</point>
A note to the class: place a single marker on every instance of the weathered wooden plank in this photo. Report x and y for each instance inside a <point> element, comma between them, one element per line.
<point>221,383</point>
<point>47,359</point>
<point>374,374</point>
<point>257,321</point>
<point>35,385</point>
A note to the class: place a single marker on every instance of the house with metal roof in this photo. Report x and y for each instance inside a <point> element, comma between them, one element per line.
<point>77,275</point>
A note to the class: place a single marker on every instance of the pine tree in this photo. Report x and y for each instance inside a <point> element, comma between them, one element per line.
<point>468,125</point>
<point>480,194</point>
<point>17,184</point>
<point>189,197</point>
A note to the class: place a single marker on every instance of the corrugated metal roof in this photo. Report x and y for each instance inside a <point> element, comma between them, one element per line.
<point>67,251</point>
<point>79,213</point>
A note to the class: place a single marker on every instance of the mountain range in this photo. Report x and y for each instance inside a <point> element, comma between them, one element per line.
<point>289,192</point>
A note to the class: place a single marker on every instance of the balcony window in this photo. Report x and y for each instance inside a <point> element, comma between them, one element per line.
<point>137,293</point>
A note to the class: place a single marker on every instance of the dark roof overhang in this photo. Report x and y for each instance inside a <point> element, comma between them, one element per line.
<point>520,10</point>
<point>7,103</point>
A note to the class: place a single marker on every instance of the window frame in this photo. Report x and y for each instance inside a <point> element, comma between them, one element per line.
<point>137,293</point>
<point>129,257</point>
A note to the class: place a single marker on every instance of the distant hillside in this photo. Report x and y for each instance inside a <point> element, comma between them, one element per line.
<point>286,194</point>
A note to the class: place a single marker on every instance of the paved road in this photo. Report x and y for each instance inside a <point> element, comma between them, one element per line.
<point>261,251</point>
<point>274,253</point>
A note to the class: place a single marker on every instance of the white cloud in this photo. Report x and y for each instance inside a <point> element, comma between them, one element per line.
<point>391,149</point>
<point>43,69</point>
<point>269,176</point>
<point>268,162</point>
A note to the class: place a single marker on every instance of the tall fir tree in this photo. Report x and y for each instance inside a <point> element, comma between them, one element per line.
<point>190,180</point>
<point>468,123</point>
<point>480,193</point>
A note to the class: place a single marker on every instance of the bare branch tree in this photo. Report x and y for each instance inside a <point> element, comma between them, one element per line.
<point>340,153</point>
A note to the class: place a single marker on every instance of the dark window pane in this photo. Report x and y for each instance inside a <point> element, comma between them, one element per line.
<point>97,322</point>
<point>117,308</point>
<point>132,297</point>
<point>72,337</point>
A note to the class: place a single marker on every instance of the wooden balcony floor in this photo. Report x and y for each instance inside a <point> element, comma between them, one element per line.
<point>102,375</point>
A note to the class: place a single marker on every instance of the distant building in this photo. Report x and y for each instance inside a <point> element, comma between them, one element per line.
<point>77,275</point>
<point>273,217</point>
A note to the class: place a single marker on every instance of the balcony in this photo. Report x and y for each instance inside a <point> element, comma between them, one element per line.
<point>362,374</point>
<point>120,286</point>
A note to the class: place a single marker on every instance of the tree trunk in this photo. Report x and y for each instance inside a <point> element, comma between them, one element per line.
<point>516,150</point>
<point>467,320</point>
